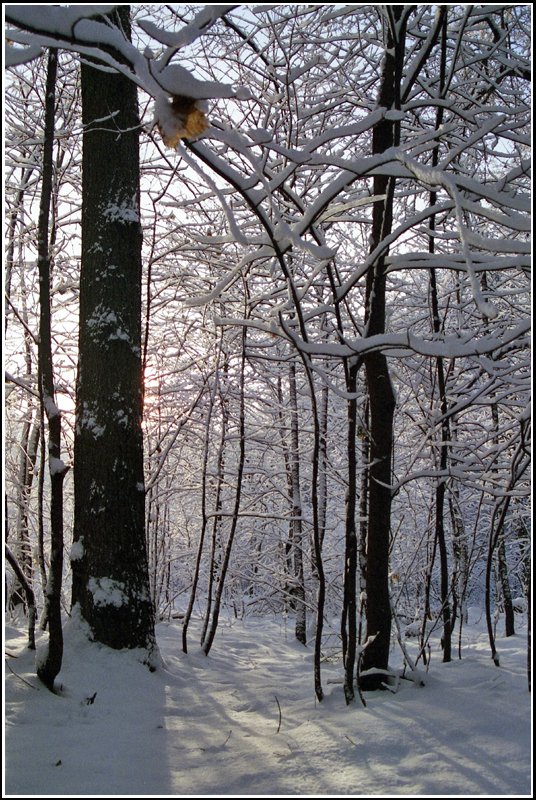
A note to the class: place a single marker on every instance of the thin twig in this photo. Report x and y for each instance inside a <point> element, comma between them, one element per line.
<point>280,716</point>
<point>21,678</point>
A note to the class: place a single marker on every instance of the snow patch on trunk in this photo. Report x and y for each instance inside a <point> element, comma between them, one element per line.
<point>107,592</point>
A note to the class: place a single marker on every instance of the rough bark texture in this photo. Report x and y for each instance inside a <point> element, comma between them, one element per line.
<point>381,395</point>
<point>110,571</point>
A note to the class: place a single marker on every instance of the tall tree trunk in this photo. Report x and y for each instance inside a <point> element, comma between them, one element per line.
<point>29,437</point>
<point>216,545</point>
<point>298,587</point>
<point>499,514</point>
<point>460,578</point>
<point>349,613</point>
<point>363,433</point>
<point>287,545</point>
<point>15,215</point>
<point>211,632</point>
<point>385,134</point>
<point>529,631</point>
<point>322,468</point>
<point>318,533</point>
<point>519,465</point>
<point>294,588</point>
<point>502,564</point>
<point>27,460</point>
<point>204,489</point>
<point>444,445</point>
<point>110,570</point>
<point>509,623</point>
<point>382,404</point>
<point>50,664</point>
<point>440,489</point>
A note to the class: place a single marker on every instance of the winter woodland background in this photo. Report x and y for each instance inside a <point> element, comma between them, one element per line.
<point>305,403</point>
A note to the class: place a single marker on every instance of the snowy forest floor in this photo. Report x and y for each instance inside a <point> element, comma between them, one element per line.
<point>209,726</point>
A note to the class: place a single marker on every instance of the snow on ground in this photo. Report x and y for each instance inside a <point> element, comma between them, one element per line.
<point>209,726</point>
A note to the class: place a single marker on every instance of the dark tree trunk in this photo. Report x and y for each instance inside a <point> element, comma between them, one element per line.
<point>50,665</point>
<point>294,586</point>
<point>440,490</point>
<point>110,570</point>
<point>495,532</point>
<point>529,630</point>
<point>444,445</point>
<point>502,564</point>
<point>382,404</point>
<point>217,519</point>
<point>349,615</point>
<point>298,586</point>
<point>204,498</point>
<point>509,621</point>
<point>363,433</point>
<point>28,593</point>
<point>322,468</point>
<point>381,396</point>
<point>460,576</point>
<point>27,460</point>
<point>31,429</point>
<point>318,533</point>
<point>211,632</point>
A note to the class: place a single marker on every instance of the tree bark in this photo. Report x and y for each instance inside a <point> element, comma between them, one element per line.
<point>509,621</point>
<point>27,461</point>
<point>50,664</point>
<point>502,564</point>
<point>440,489</point>
<point>460,577</point>
<point>349,615</point>
<point>110,570</point>
<point>363,433</point>
<point>385,134</point>
<point>298,587</point>
<point>221,466</point>
<point>204,489</point>
<point>211,632</point>
<point>29,595</point>
<point>322,468</point>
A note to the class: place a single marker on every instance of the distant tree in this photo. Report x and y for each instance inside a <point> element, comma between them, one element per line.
<point>296,526</point>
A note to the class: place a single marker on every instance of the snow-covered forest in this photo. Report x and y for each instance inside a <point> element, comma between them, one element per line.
<point>267,399</point>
